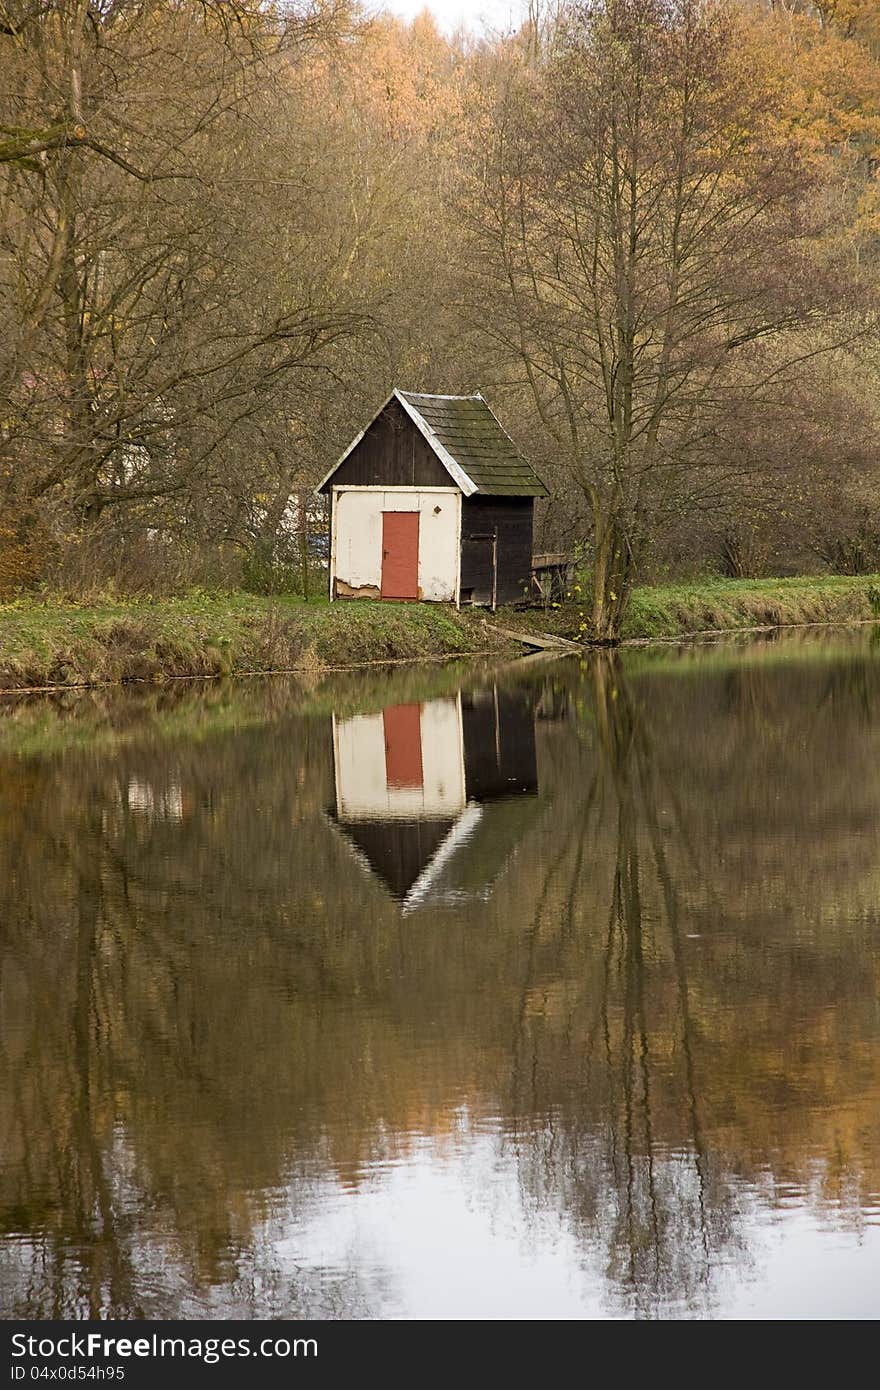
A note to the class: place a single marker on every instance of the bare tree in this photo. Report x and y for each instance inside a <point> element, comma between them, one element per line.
<point>163,271</point>
<point>642,259</point>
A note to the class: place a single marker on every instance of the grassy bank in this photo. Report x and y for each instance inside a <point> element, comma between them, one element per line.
<point>724,605</point>
<point>52,644</point>
<point>111,718</point>
<point>47,644</point>
<point>728,604</point>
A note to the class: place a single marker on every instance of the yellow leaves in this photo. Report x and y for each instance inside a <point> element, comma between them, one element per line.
<point>829,84</point>
<point>403,77</point>
<point>855,19</point>
<point>868,209</point>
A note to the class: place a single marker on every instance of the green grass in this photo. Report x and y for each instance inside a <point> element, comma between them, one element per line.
<point>51,644</point>
<point>109,719</point>
<point>673,610</point>
<point>199,634</point>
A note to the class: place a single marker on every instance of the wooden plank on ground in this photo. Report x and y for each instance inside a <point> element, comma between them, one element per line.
<point>540,641</point>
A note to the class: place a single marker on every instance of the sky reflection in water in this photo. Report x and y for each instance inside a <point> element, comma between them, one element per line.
<point>550,993</point>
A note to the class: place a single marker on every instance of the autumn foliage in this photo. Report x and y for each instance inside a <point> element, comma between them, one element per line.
<point>649,232</point>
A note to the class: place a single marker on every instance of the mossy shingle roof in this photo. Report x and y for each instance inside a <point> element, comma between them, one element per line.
<point>463,430</point>
<point>478,454</point>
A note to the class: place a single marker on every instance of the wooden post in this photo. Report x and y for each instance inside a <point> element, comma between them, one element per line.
<point>494,569</point>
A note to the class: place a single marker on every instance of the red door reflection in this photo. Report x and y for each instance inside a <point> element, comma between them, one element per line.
<point>403,745</point>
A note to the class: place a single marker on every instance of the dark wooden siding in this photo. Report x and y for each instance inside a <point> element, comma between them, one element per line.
<point>512,517</point>
<point>394,453</point>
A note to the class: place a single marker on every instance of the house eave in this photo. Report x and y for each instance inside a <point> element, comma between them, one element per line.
<point>452,466</point>
<point>459,476</point>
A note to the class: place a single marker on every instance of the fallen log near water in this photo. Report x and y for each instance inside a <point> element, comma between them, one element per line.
<point>539,641</point>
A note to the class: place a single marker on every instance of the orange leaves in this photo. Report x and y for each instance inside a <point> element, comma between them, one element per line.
<point>23,554</point>
<point>824,74</point>
<point>403,78</point>
<point>828,84</point>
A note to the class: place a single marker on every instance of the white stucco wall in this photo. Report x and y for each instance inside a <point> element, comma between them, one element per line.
<point>362,790</point>
<point>356,542</point>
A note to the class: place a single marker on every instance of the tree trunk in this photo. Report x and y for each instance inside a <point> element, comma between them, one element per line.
<point>612,578</point>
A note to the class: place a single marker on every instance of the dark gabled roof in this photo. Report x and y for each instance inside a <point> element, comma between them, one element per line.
<point>467,430</point>
<point>442,861</point>
<point>469,441</point>
<point>476,862</point>
<point>397,851</point>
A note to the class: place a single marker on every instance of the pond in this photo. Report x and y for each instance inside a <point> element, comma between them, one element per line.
<point>543,991</point>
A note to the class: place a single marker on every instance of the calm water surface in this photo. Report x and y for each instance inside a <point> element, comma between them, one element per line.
<point>550,992</point>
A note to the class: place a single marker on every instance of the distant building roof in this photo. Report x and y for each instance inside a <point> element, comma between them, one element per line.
<point>469,441</point>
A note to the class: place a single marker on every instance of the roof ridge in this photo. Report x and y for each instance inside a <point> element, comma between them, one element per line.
<point>472,457</point>
<point>450,463</point>
<point>473,445</point>
<point>440,396</point>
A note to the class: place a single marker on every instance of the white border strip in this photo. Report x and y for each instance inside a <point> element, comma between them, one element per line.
<point>453,468</point>
<point>462,830</point>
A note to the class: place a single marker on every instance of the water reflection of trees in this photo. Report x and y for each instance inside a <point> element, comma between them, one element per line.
<point>207,1012</point>
<point>658,1212</point>
<point>648,1098</point>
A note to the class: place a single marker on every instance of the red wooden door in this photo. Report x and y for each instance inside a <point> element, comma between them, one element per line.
<point>403,745</point>
<point>400,554</point>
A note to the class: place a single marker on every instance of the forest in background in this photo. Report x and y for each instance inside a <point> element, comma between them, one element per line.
<point>647,231</point>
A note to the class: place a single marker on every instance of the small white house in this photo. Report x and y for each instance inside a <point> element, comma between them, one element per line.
<point>432,796</point>
<point>432,502</point>
<point>406,761</point>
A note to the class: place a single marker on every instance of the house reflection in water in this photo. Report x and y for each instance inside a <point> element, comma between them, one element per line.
<point>433,797</point>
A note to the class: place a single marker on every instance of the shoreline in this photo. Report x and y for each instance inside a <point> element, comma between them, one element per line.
<point>48,647</point>
<point>707,634</point>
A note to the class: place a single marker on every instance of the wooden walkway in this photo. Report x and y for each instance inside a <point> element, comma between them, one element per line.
<point>553,574</point>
